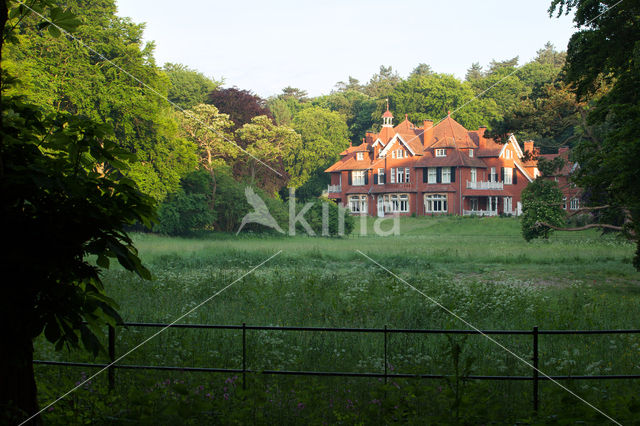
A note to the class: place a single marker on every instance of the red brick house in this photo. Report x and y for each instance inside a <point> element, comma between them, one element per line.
<point>571,193</point>
<point>431,170</point>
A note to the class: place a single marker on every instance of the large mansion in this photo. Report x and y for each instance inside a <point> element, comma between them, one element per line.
<point>431,170</point>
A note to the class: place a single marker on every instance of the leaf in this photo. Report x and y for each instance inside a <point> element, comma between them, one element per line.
<point>54,31</point>
<point>103,261</point>
<point>64,19</point>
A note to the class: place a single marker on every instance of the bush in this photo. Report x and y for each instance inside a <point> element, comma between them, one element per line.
<point>189,208</point>
<point>314,218</point>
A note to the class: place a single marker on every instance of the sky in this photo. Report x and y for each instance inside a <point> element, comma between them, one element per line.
<point>265,46</point>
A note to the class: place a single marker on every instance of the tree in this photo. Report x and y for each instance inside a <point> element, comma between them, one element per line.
<point>60,74</point>
<point>273,145</point>
<point>63,198</point>
<point>474,72</point>
<point>421,69</point>
<point>605,49</point>
<point>357,108</point>
<point>209,131</point>
<point>430,97</point>
<point>188,87</point>
<point>324,135</point>
<point>240,105</point>
<point>381,84</point>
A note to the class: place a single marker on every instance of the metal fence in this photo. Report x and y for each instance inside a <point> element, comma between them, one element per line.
<point>535,378</point>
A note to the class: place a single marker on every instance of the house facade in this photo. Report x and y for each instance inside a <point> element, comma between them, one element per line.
<point>431,170</point>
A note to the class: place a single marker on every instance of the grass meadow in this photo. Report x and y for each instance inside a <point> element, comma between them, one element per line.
<point>479,268</point>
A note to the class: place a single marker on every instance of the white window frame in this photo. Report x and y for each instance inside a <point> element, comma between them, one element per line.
<point>393,154</point>
<point>508,175</point>
<point>446,175</point>
<point>507,204</point>
<point>396,203</point>
<point>441,152</point>
<point>474,174</point>
<point>575,203</point>
<point>359,156</point>
<point>432,176</point>
<point>471,153</point>
<point>564,203</point>
<point>436,203</point>
<point>493,176</point>
<point>400,174</point>
<point>380,176</point>
<point>407,174</point>
<point>357,177</point>
<point>358,204</point>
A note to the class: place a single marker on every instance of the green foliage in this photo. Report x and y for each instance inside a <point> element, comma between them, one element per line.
<point>541,202</point>
<point>64,198</point>
<point>324,135</point>
<point>188,209</point>
<point>61,74</point>
<point>357,108</point>
<point>432,96</point>
<point>314,217</point>
<point>188,87</point>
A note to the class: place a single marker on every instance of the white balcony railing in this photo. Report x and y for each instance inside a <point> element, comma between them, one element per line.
<point>479,213</point>
<point>485,185</point>
<point>334,188</point>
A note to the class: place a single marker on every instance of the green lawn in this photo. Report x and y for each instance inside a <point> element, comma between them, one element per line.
<point>479,268</point>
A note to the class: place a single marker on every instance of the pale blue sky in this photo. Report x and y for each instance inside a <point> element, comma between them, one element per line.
<point>265,46</point>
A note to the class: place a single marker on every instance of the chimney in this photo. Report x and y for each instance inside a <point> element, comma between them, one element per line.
<point>481,131</point>
<point>563,149</point>
<point>528,147</point>
<point>428,124</point>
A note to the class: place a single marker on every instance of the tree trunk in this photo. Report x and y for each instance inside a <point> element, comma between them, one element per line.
<point>18,393</point>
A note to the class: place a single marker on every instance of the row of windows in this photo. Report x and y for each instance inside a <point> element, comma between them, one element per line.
<point>431,175</point>
<point>399,203</point>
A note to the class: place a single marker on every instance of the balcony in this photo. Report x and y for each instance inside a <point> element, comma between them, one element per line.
<point>485,185</point>
<point>334,188</point>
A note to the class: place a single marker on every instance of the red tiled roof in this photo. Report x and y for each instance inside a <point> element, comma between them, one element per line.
<point>386,114</point>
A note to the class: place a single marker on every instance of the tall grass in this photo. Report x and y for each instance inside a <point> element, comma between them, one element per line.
<point>478,268</point>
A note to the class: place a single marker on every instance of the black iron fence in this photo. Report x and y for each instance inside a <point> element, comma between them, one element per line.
<point>535,377</point>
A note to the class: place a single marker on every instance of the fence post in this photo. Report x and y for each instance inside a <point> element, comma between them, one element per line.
<point>385,354</point>
<point>535,368</point>
<point>112,356</point>
<point>244,355</point>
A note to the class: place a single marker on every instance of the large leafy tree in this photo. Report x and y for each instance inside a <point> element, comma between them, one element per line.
<point>62,74</point>
<point>241,105</point>
<point>324,135</point>
<point>188,87</point>
<point>272,146</point>
<point>432,96</point>
<point>208,129</point>
<point>606,49</point>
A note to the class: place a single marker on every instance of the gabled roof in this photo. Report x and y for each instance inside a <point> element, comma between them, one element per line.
<point>448,134</point>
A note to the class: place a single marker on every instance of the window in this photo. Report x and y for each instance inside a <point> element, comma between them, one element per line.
<point>393,175</point>
<point>508,154</point>
<point>435,203</point>
<point>446,175</point>
<point>564,203</point>
<point>474,175</point>
<point>575,203</point>
<point>433,175</point>
<point>396,203</point>
<point>393,154</point>
<point>508,205</point>
<point>470,153</point>
<point>407,174</point>
<point>508,175</point>
<point>380,176</point>
<point>473,203</point>
<point>357,177</point>
<point>400,175</point>
<point>360,156</point>
<point>440,152</point>
<point>493,177</point>
<point>358,203</point>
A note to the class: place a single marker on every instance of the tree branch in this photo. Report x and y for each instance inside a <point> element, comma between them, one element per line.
<point>581,228</point>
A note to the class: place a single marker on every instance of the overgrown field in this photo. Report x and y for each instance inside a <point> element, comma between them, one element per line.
<point>479,268</point>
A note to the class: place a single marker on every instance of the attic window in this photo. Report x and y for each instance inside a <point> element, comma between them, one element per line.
<point>360,156</point>
<point>441,152</point>
<point>470,153</point>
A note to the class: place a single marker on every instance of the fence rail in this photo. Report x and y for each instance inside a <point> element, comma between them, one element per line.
<point>535,378</point>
